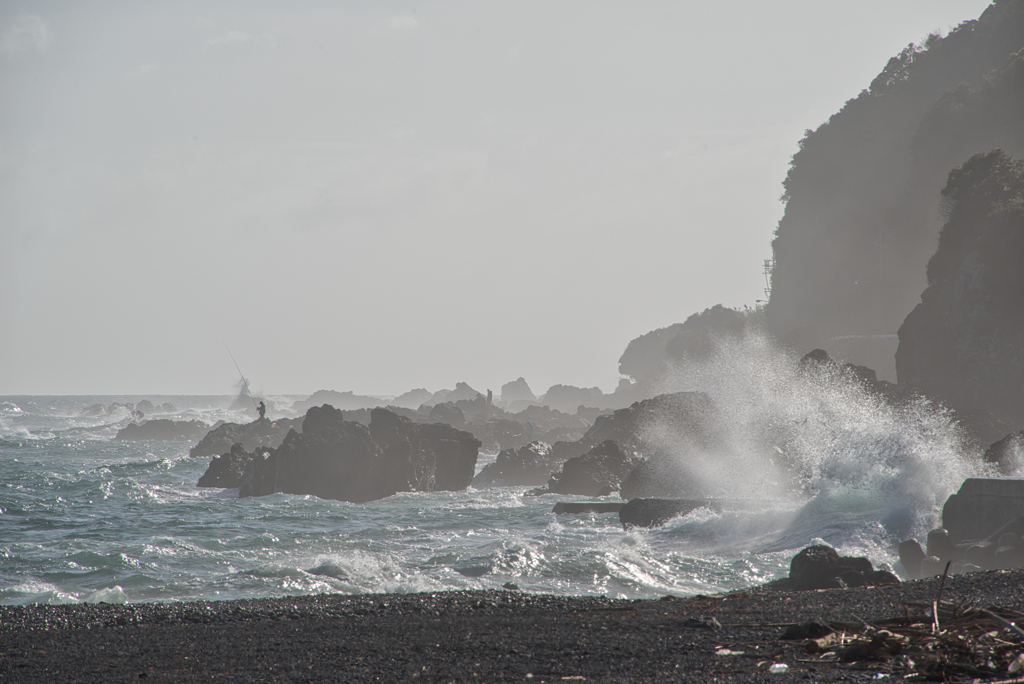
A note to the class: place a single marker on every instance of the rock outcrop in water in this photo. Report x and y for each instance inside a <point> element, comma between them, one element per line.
<point>265,433</point>
<point>337,459</point>
<point>964,343</point>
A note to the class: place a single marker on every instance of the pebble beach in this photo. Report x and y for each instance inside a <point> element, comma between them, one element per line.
<point>472,636</point>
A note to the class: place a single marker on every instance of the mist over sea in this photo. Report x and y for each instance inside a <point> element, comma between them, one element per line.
<point>84,517</point>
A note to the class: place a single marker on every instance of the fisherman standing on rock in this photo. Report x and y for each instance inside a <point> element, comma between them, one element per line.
<point>262,409</point>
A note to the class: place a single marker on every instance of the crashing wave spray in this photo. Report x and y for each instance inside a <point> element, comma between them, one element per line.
<point>853,469</point>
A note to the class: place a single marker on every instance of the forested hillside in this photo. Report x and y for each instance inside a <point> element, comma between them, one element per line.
<point>964,343</point>
<point>862,196</point>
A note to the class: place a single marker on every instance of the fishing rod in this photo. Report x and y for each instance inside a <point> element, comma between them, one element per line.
<point>245,383</point>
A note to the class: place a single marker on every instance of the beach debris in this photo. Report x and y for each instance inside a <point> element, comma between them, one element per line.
<point>779,668</point>
<point>702,623</point>
<point>936,641</point>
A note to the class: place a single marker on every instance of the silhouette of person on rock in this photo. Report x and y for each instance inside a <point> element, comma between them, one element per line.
<point>262,408</point>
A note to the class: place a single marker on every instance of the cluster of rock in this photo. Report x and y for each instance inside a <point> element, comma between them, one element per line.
<point>983,530</point>
<point>612,452</point>
<point>334,458</point>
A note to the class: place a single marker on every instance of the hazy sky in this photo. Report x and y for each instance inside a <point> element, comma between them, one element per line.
<point>375,196</point>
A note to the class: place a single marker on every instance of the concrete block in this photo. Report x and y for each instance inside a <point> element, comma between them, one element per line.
<point>982,506</point>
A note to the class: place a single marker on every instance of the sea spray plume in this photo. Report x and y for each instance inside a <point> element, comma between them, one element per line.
<point>814,435</point>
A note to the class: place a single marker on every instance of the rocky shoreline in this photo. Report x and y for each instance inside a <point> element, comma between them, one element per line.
<point>487,636</point>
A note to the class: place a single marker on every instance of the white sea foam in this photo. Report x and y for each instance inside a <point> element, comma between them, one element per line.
<point>857,470</point>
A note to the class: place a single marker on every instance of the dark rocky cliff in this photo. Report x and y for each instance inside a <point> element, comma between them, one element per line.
<point>861,219</point>
<point>964,341</point>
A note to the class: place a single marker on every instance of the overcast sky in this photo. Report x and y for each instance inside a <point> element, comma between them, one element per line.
<point>376,196</point>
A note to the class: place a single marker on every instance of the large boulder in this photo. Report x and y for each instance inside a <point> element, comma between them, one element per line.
<point>981,507</point>
<point>820,567</point>
<point>596,473</point>
<point>337,459</point>
<point>169,430</point>
<point>258,433</point>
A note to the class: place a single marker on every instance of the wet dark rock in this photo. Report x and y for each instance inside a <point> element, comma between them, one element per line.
<point>258,433</point>
<point>982,507</point>
<point>169,430</point>
<point>820,567</point>
<point>227,470</point>
<point>598,472</point>
<point>337,459</point>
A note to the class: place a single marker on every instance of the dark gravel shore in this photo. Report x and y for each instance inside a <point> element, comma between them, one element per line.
<point>465,637</point>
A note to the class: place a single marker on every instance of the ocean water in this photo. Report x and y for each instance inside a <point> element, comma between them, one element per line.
<point>84,518</point>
